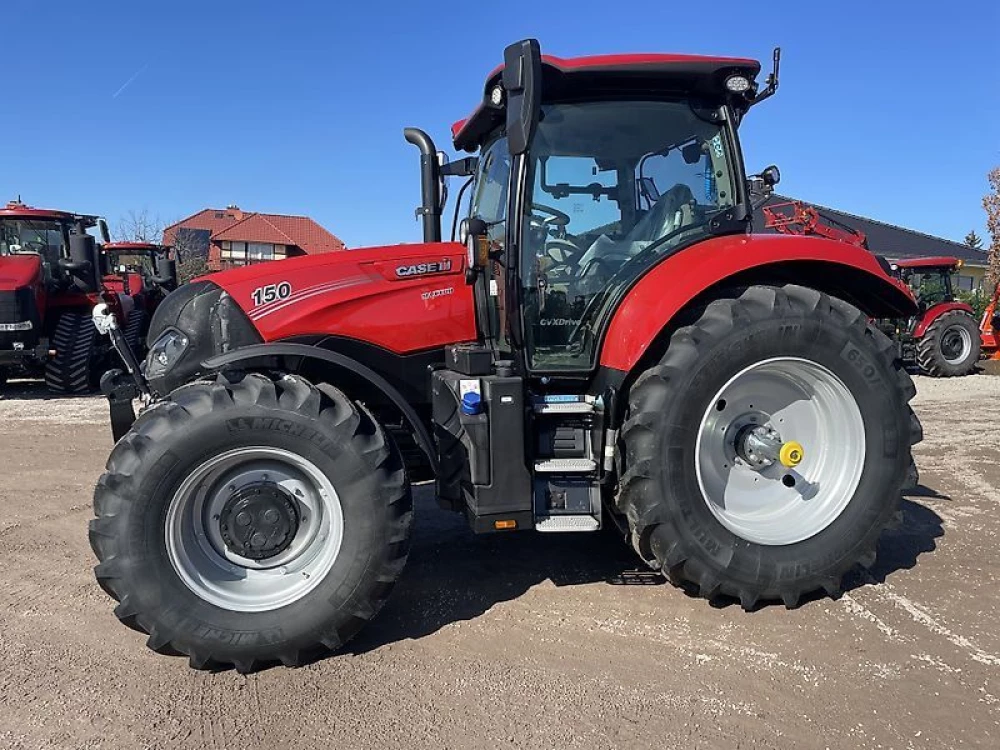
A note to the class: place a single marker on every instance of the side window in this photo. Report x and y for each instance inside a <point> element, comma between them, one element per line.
<point>489,203</point>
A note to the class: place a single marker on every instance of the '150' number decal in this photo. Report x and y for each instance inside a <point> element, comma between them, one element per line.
<point>271,293</point>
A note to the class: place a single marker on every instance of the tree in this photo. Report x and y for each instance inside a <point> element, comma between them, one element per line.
<point>991,202</point>
<point>187,247</point>
<point>139,226</point>
<point>974,241</point>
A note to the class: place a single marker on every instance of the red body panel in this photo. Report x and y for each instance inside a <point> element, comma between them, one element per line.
<point>665,290</point>
<point>20,271</point>
<point>384,296</point>
<point>936,311</point>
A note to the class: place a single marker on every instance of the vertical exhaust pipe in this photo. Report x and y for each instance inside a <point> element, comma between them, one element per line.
<point>430,195</point>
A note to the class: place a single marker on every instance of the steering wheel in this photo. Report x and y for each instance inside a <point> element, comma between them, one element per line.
<point>555,218</point>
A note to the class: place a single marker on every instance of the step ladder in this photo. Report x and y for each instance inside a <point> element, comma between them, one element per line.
<point>567,494</point>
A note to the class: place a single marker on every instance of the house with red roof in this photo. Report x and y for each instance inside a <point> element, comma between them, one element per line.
<point>232,237</point>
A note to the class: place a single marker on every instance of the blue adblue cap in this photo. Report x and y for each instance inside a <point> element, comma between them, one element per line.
<point>472,403</point>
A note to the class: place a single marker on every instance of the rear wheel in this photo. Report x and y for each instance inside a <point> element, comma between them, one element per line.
<point>766,452</point>
<point>950,346</point>
<point>72,369</point>
<point>252,522</point>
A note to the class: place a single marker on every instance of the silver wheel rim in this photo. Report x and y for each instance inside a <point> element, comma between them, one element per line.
<point>959,338</point>
<point>776,505</point>
<point>215,573</point>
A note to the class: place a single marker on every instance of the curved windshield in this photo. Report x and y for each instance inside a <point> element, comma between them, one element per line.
<point>46,238</point>
<point>614,186</point>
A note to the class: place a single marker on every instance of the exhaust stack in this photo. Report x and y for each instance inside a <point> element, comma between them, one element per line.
<point>430,191</point>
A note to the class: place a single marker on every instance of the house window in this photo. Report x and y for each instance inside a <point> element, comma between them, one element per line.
<point>260,251</point>
<point>964,283</point>
<point>237,251</point>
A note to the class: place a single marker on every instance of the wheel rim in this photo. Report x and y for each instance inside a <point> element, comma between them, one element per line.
<point>956,344</point>
<point>773,504</point>
<point>203,554</point>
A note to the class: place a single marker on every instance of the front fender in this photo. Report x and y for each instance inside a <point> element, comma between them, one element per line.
<point>696,274</point>
<point>269,354</point>
<point>936,311</point>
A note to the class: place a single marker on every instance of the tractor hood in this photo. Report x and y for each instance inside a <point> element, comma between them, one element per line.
<point>19,271</point>
<point>403,298</point>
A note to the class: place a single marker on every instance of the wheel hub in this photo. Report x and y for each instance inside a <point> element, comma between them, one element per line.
<point>259,521</point>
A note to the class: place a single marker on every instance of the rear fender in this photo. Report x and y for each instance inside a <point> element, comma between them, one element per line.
<point>293,357</point>
<point>672,293</point>
<point>936,311</point>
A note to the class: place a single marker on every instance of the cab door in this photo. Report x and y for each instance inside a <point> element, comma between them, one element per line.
<point>490,202</point>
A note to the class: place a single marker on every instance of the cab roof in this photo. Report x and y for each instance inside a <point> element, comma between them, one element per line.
<point>18,210</point>
<point>135,246</point>
<point>942,261</point>
<point>611,75</point>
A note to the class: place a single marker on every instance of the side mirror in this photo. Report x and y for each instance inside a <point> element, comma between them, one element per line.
<point>522,81</point>
<point>102,226</point>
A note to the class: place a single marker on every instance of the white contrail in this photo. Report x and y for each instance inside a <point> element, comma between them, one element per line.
<point>127,83</point>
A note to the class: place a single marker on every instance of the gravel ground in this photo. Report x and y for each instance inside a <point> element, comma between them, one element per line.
<point>523,641</point>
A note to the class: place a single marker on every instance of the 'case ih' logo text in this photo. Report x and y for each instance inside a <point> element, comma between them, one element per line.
<point>420,269</point>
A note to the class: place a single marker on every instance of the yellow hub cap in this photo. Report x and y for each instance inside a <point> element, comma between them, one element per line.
<point>791,454</point>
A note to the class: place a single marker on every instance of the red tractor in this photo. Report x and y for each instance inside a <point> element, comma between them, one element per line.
<point>143,272</point>
<point>943,339</point>
<point>49,280</point>
<point>608,344</point>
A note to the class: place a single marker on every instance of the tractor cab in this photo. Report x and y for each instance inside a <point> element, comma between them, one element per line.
<point>134,267</point>
<point>591,171</point>
<point>930,279</point>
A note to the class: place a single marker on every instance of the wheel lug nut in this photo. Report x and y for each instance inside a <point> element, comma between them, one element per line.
<point>243,518</point>
<point>271,515</point>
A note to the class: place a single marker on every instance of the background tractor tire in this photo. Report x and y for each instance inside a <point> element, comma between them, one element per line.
<point>950,346</point>
<point>763,542</point>
<point>72,370</point>
<point>135,332</point>
<point>148,544</point>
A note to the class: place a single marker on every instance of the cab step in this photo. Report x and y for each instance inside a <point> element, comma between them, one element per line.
<point>565,466</point>
<point>566,523</point>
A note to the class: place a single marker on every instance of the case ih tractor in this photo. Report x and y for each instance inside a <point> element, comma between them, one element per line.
<point>48,285</point>
<point>51,275</point>
<point>606,345</point>
<point>144,272</point>
<point>943,339</point>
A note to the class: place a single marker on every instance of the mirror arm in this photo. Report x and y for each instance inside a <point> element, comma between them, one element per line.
<point>461,167</point>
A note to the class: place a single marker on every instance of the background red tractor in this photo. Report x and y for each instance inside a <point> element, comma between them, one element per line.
<point>52,273</point>
<point>942,339</point>
<point>144,272</point>
<point>608,344</point>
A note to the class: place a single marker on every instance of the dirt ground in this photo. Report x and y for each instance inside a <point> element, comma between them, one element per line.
<point>526,640</point>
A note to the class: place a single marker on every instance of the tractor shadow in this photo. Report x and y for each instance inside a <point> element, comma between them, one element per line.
<point>453,575</point>
<point>35,390</point>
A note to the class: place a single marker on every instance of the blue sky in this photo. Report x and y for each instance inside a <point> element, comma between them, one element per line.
<point>886,109</point>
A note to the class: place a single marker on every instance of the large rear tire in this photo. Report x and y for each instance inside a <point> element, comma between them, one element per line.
<point>252,522</point>
<point>950,346</point>
<point>782,365</point>
<point>71,370</point>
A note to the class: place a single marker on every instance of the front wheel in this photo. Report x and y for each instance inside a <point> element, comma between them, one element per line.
<point>950,346</point>
<point>767,451</point>
<point>251,522</point>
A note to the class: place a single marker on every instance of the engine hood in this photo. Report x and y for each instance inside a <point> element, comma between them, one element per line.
<point>19,271</point>
<point>403,298</point>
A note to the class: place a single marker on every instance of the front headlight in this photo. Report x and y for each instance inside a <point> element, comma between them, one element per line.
<point>165,352</point>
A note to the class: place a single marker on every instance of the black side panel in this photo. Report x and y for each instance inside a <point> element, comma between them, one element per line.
<point>483,458</point>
